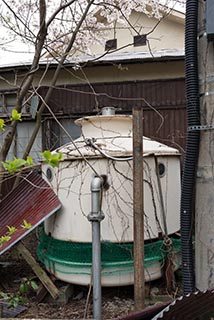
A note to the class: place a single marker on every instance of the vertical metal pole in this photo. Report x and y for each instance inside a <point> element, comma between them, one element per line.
<point>139,281</point>
<point>96,270</point>
<point>95,217</point>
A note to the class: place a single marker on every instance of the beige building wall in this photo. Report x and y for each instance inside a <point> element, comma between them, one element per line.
<point>166,34</point>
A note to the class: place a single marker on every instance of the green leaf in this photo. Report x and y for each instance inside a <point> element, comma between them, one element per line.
<point>13,302</point>
<point>26,225</point>
<point>29,161</point>
<point>23,288</point>
<point>2,125</point>
<point>16,116</point>
<point>18,162</point>
<point>52,159</point>
<point>4,239</point>
<point>46,154</point>
<point>23,300</point>
<point>3,295</point>
<point>34,285</point>
<point>15,165</point>
<point>8,166</point>
<point>11,230</point>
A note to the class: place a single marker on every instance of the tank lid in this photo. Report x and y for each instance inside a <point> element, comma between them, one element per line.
<point>104,126</point>
<point>110,135</point>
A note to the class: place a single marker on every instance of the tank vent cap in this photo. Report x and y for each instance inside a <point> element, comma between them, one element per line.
<point>108,111</point>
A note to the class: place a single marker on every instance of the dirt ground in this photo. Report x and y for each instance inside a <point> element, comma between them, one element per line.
<point>116,302</point>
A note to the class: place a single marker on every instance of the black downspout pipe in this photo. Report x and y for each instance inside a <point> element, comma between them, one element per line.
<point>192,145</point>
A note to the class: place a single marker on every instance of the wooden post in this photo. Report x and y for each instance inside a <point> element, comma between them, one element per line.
<point>204,217</point>
<point>41,274</point>
<point>1,310</point>
<point>139,281</point>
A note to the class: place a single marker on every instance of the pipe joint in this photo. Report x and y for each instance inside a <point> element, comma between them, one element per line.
<point>96,216</point>
<point>96,184</point>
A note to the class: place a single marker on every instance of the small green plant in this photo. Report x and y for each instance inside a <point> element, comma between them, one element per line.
<point>26,285</point>
<point>52,159</point>
<point>16,116</point>
<point>12,299</point>
<point>13,166</point>
<point>11,230</point>
<point>2,125</point>
<point>4,239</point>
<point>20,297</point>
<point>26,225</point>
<point>17,164</point>
<point>29,161</point>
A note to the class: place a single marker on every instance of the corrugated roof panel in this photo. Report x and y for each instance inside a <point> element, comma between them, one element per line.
<point>166,126</point>
<point>198,305</point>
<point>80,99</point>
<point>33,200</point>
<point>191,307</point>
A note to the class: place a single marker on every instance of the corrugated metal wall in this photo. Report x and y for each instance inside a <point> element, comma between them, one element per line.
<point>24,131</point>
<point>163,102</point>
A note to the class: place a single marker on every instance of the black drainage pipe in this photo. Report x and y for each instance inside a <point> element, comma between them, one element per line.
<point>192,145</point>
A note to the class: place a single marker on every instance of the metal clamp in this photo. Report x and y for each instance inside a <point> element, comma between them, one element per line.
<point>201,127</point>
<point>96,216</point>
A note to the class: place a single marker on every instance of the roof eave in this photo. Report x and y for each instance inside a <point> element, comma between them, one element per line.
<point>131,59</point>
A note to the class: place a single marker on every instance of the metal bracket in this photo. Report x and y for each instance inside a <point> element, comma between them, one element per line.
<point>201,127</point>
<point>208,93</point>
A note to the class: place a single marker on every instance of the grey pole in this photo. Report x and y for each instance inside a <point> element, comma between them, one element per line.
<point>95,217</point>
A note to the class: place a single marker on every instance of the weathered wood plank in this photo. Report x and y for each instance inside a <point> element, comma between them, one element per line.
<point>41,274</point>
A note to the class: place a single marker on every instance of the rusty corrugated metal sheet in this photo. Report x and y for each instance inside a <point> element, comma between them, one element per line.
<point>33,200</point>
<point>196,306</point>
<point>7,185</point>
<point>147,314</point>
<point>166,126</point>
<point>82,98</point>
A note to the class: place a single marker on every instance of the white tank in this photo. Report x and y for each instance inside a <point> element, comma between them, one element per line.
<point>105,148</point>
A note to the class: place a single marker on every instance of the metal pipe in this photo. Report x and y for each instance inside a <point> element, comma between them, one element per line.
<point>95,217</point>
<point>96,271</point>
<point>163,211</point>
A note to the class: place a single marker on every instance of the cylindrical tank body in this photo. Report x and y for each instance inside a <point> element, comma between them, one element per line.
<point>105,148</point>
